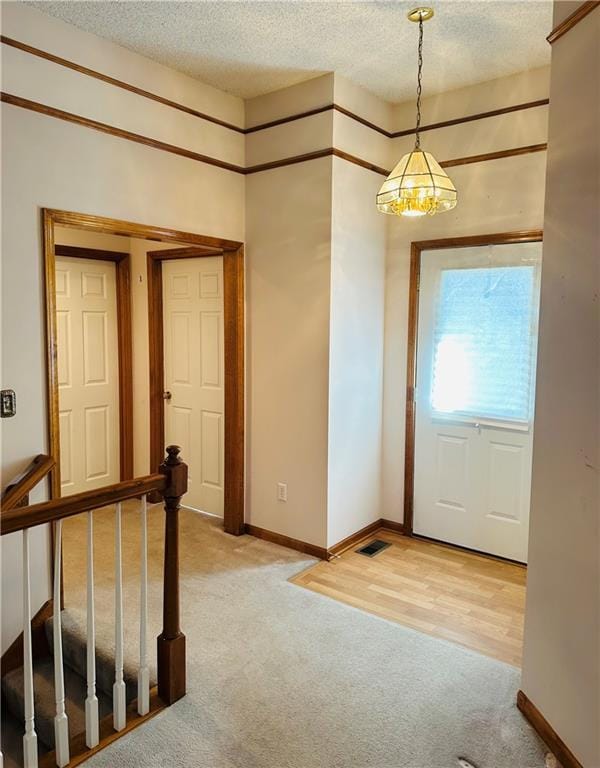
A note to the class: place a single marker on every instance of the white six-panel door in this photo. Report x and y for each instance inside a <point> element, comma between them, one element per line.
<point>88,373</point>
<point>473,451</point>
<point>194,374</point>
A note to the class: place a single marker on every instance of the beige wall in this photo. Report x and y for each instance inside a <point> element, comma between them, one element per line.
<point>358,242</point>
<point>561,663</point>
<point>288,253</point>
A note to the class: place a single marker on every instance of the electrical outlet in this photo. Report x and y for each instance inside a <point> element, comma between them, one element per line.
<point>281,491</point>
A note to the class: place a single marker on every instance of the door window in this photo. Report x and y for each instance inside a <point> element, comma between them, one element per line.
<point>484,343</point>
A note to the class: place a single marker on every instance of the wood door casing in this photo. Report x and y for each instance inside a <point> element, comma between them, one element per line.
<point>234,339</point>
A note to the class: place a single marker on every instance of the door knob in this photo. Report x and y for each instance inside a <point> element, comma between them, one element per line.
<point>167,395</point>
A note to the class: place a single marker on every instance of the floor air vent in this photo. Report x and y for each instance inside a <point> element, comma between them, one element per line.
<point>375,546</point>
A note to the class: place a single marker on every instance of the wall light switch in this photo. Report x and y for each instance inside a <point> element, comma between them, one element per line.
<point>281,491</point>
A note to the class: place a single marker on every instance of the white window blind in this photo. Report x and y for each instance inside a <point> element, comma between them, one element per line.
<point>484,342</point>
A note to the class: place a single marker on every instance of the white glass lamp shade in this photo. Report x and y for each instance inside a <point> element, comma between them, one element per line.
<point>417,185</point>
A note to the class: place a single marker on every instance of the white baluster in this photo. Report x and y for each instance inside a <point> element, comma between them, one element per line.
<point>92,736</point>
<point>30,751</point>
<point>61,722</point>
<point>119,700</point>
<point>144,672</point>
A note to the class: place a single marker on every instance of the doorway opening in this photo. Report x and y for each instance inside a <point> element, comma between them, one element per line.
<point>98,269</point>
<point>472,343</point>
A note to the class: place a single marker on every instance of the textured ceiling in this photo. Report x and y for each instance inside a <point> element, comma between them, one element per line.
<point>251,48</point>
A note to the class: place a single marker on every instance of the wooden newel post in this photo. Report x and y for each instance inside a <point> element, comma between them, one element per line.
<point>171,642</point>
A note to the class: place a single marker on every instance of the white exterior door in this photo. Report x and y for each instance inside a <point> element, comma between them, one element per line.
<point>194,374</point>
<point>88,373</point>
<point>477,338</point>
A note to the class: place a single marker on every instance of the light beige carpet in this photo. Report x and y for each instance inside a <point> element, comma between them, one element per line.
<point>279,677</point>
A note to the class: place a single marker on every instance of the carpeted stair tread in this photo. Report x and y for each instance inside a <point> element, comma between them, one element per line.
<point>74,640</point>
<point>44,703</point>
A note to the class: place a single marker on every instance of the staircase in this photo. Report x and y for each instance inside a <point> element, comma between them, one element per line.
<point>64,696</point>
<point>74,648</point>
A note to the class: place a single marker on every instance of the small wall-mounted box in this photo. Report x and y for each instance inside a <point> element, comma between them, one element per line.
<point>8,403</point>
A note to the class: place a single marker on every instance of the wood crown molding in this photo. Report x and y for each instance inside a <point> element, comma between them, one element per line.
<point>137,138</point>
<point>567,24</point>
<point>546,732</point>
<point>33,51</point>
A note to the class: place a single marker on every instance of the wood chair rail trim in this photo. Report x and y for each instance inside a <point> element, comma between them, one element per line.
<point>34,106</point>
<point>572,20</point>
<point>546,732</point>
<point>20,518</point>
<point>19,488</point>
<point>116,82</point>
<point>417,247</point>
<point>32,50</point>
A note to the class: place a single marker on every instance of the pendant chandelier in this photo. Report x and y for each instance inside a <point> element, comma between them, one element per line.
<point>418,184</point>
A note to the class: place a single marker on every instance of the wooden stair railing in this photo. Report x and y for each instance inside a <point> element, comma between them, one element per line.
<point>16,493</point>
<point>171,483</point>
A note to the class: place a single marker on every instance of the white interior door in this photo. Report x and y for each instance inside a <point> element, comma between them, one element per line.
<point>194,373</point>
<point>477,339</point>
<point>88,373</point>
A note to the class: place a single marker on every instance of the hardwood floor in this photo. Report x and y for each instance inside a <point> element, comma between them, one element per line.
<point>462,597</point>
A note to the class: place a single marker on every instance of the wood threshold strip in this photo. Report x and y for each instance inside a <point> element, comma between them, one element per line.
<point>580,13</point>
<point>546,732</point>
<point>80,752</point>
<point>260,126</point>
<point>60,114</point>
<point>20,518</point>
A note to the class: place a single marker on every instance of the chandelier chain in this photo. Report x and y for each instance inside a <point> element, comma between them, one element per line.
<point>419,86</point>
